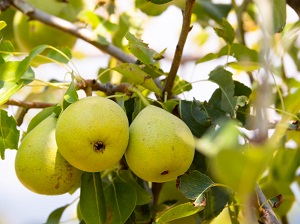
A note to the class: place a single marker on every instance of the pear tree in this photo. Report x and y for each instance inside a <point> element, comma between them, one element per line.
<point>137,142</point>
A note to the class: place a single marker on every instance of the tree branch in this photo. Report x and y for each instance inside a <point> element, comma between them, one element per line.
<point>66,26</point>
<point>267,214</point>
<point>189,5</point>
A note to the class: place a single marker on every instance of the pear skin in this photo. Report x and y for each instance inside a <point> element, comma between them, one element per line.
<point>92,134</point>
<point>38,164</point>
<point>161,146</point>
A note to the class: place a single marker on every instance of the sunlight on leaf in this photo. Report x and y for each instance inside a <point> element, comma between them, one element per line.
<point>9,134</point>
<point>179,211</point>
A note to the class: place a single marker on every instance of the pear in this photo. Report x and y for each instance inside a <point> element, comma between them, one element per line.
<point>161,146</point>
<point>38,164</point>
<point>92,134</point>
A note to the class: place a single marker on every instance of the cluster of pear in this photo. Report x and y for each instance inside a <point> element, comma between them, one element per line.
<point>92,135</point>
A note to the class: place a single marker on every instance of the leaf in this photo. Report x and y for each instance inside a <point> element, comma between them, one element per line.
<point>194,185</point>
<point>55,216</point>
<point>240,52</point>
<point>8,89</point>
<point>136,75</point>
<point>226,32</point>
<point>246,166</point>
<point>206,10</point>
<point>71,95</point>
<point>279,15</point>
<point>213,141</point>
<point>180,211</point>
<point>180,86</point>
<point>60,55</point>
<point>224,79</point>
<point>120,201</point>
<point>140,50</point>
<point>195,118</point>
<point>39,117</point>
<point>143,196</point>
<point>245,57</point>
<point>9,134</point>
<point>216,200</point>
<point>92,199</point>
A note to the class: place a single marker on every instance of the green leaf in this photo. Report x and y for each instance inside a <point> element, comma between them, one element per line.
<point>226,32</point>
<point>279,15</point>
<point>9,134</point>
<point>240,52</point>
<point>123,28</point>
<point>143,196</point>
<point>246,166</point>
<point>247,59</point>
<point>196,119</point>
<point>62,55</point>
<point>180,211</point>
<point>140,50</point>
<point>8,89</point>
<point>92,199</point>
<point>39,117</point>
<point>120,201</point>
<point>194,185</point>
<point>151,9</point>
<point>134,74</point>
<point>216,200</point>
<point>55,216</point>
<point>71,95</point>
<point>206,10</point>
<point>224,79</point>
<point>181,86</point>
<point>213,141</point>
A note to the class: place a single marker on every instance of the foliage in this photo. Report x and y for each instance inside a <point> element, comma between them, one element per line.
<point>240,146</point>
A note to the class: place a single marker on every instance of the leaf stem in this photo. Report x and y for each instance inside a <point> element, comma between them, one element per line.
<point>140,95</point>
<point>186,28</point>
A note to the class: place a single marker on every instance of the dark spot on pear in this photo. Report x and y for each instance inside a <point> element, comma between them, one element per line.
<point>165,172</point>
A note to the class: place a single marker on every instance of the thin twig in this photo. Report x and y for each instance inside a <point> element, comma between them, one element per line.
<point>66,26</point>
<point>267,214</point>
<point>28,105</point>
<point>189,5</point>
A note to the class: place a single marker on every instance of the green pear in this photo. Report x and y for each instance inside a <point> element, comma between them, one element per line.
<point>38,164</point>
<point>92,134</point>
<point>161,146</point>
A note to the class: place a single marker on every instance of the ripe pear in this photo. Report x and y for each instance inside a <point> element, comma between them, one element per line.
<point>38,164</point>
<point>92,134</point>
<point>161,146</point>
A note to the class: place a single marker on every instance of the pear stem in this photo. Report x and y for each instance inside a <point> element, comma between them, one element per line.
<point>140,95</point>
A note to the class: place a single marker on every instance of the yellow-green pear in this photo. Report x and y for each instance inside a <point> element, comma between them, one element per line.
<point>161,146</point>
<point>38,164</point>
<point>92,134</point>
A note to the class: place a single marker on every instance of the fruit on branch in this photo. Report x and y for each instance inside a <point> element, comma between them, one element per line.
<point>31,33</point>
<point>38,164</point>
<point>161,146</point>
<point>92,133</point>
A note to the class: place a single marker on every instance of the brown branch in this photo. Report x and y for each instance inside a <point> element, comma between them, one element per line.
<point>108,88</point>
<point>267,214</point>
<point>28,105</point>
<point>66,26</point>
<point>294,4</point>
<point>189,5</point>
